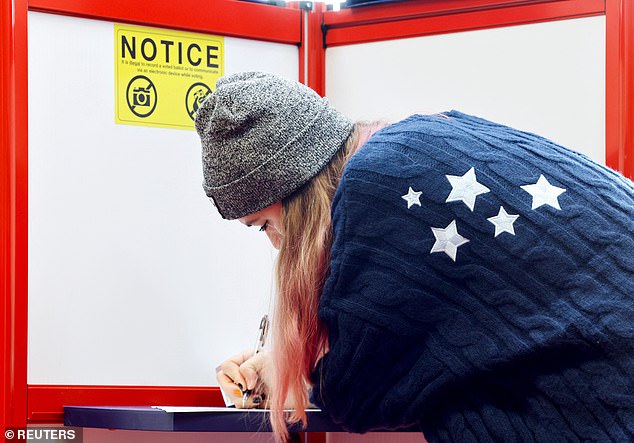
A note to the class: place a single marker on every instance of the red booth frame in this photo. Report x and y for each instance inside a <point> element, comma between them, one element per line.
<point>312,32</point>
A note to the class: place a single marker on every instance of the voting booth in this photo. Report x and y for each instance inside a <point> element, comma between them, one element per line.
<point>121,284</point>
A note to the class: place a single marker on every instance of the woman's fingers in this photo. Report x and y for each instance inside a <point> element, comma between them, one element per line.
<point>256,373</point>
<point>255,398</point>
<point>245,374</point>
<point>250,373</point>
<point>255,370</point>
<point>231,369</point>
<point>230,389</point>
<point>258,397</point>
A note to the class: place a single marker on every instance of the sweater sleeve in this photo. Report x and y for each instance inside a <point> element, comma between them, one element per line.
<point>373,400</point>
<point>365,379</point>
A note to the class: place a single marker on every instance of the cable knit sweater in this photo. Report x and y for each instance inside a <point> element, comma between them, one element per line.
<point>481,288</point>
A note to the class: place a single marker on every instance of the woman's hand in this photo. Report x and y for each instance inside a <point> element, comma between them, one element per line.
<point>246,372</point>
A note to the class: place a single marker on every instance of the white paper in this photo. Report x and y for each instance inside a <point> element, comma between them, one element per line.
<point>226,398</point>
<point>213,409</point>
<point>201,409</point>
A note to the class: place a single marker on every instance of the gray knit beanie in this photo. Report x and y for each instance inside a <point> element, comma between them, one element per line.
<point>263,137</point>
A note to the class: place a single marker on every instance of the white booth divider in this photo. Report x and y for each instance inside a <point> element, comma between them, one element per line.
<point>134,278</point>
<point>546,78</point>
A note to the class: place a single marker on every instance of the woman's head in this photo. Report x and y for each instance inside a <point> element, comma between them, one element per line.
<point>263,137</point>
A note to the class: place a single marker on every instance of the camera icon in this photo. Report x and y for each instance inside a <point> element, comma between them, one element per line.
<point>141,96</point>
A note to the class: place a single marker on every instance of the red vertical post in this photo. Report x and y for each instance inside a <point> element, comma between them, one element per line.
<point>312,72</point>
<point>312,51</point>
<point>13,204</point>
<point>619,111</point>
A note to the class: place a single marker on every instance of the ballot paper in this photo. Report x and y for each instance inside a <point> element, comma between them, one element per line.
<point>200,409</point>
<point>226,398</point>
<point>213,409</point>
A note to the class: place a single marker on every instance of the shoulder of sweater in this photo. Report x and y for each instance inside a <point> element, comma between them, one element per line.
<point>384,146</point>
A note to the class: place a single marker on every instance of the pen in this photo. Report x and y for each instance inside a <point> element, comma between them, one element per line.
<point>262,332</point>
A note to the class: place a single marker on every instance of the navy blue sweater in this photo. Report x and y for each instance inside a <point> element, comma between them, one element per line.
<point>481,288</point>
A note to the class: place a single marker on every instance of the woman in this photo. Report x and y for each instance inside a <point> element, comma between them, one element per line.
<point>444,272</point>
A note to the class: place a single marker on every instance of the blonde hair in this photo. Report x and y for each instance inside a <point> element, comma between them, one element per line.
<point>299,337</point>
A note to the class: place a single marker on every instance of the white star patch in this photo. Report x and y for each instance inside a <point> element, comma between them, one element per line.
<point>448,240</point>
<point>465,188</point>
<point>503,222</point>
<point>544,193</point>
<point>412,197</point>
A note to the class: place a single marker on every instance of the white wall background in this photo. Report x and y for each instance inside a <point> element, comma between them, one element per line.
<point>134,278</point>
<point>547,78</point>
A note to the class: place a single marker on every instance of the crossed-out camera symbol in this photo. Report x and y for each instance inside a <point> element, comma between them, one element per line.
<point>141,96</point>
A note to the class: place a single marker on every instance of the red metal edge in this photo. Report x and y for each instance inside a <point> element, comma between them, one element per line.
<point>226,17</point>
<point>302,60</point>
<point>300,47</point>
<point>316,50</point>
<point>312,53</point>
<point>414,9</point>
<point>46,402</point>
<point>464,21</point>
<point>619,78</point>
<point>13,203</point>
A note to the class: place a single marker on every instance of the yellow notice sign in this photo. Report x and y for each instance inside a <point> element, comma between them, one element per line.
<point>162,76</point>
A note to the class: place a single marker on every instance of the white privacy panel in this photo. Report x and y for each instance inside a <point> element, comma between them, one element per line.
<point>134,278</point>
<point>547,78</point>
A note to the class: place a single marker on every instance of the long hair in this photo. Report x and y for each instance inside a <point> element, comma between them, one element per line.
<point>299,337</point>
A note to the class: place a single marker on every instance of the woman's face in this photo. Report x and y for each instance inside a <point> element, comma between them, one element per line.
<point>269,220</point>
